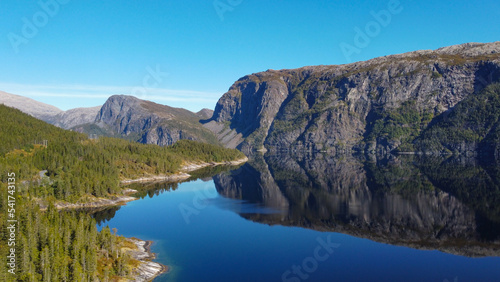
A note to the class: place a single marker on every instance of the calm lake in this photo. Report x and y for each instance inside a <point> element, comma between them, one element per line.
<point>323,218</point>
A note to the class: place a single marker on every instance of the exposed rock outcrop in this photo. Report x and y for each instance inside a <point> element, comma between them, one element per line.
<point>74,117</point>
<point>337,107</point>
<point>150,123</point>
<point>147,270</point>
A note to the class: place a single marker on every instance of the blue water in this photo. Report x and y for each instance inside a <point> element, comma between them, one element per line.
<point>201,236</point>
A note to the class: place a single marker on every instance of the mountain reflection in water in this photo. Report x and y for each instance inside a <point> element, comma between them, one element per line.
<point>449,204</point>
<point>421,202</point>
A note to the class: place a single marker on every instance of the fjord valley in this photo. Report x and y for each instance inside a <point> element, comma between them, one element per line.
<point>414,218</point>
<point>433,101</point>
<point>327,165</point>
<point>65,245</point>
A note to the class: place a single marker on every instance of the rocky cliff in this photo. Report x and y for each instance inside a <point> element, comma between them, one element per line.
<point>150,123</point>
<point>376,105</point>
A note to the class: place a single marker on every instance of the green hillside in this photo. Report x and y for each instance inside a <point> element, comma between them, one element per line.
<point>78,166</point>
<point>473,124</point>
<point>65,246</point>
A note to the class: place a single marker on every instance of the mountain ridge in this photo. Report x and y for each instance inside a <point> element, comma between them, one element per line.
<point>30,106</point>
<point>334,107</point>
<point>122,116</point>
<point>381,105</point>
<point>151,123</point>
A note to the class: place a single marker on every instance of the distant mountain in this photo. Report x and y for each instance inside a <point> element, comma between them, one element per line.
<point>75,117</point>
<point>48,113</point>
<point>34,108</point>
<point>151,123</point>
<point>380,105</point>
<point>433,101</point>
<point>124,117</point>
<point>205,113</point>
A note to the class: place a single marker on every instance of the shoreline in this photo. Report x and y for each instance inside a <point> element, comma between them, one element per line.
<point>147,269</point>
<point>195,166</point>
<point>164,268</point>
<point>96,202</point>
<point>125,198</point>
<point>183,172</point>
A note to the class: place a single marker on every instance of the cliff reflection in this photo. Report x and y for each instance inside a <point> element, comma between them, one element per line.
<point>428,203</point>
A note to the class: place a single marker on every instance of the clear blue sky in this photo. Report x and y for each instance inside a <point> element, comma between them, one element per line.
<point>85,51</point>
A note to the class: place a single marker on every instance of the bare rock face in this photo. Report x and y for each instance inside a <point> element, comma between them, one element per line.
<point>150,123</point>
<point>74,117</point>
<point>335,107</point>
<point>205,113</point>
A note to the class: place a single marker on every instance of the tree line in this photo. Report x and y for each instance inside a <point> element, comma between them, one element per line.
<point>66,245</point>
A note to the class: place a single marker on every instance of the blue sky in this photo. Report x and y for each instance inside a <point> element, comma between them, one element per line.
<point>188,53</point>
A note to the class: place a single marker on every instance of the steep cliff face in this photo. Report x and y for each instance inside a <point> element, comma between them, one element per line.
<point>374,105</point>
<point>150,123</point>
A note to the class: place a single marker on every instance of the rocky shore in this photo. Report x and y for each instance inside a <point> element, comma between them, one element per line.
<point>183,173</point>
<point>147,269</point>
<point>94,202</point>
<point>195,166</point>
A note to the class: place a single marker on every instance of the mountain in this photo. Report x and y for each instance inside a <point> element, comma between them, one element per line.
<point>124,117</point>
<point>432,101</point>
<point>380,105</point>
<point>74,117</point>
<point>53,115</point>
<point>151,123</point>
<point>34,108</point>
<point>205,113</point>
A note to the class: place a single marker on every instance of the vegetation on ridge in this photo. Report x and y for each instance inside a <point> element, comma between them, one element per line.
<point>472,122</point>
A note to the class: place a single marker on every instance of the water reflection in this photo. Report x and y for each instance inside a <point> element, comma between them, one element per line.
<point>421,202</point>
<point>449,204</point>
<point>103,215</point>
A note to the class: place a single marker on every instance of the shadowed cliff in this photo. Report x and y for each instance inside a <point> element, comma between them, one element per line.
<point>410,201</point>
